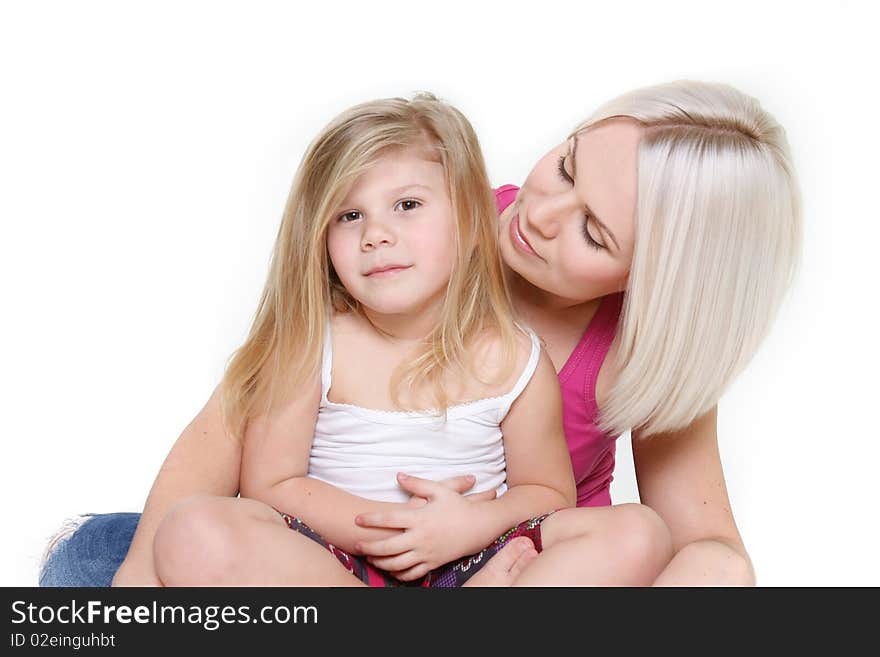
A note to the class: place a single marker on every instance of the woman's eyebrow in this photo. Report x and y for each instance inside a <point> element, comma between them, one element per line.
<point>605,229</point>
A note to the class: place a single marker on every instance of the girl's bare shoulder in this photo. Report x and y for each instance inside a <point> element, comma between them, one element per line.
<point>498,368</point>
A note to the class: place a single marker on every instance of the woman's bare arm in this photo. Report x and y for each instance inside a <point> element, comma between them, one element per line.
<point>680,476</point>
<point>205,459</point>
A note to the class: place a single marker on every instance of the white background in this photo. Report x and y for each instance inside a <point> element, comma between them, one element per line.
<point>146,151</point>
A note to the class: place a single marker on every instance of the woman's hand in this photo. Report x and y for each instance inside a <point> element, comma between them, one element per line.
<point>133,573</point>
<point>434,530</point>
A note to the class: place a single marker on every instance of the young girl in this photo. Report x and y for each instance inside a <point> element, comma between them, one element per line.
<point>385,297</point>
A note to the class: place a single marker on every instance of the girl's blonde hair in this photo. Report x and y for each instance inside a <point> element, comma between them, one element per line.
<point>284,346</point>
<point>717,242</point>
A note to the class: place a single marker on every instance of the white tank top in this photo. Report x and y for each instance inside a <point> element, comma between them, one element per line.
<point>361,450</point>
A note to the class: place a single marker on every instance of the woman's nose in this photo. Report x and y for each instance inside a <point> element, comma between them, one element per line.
<point>546,213</point>
<point>376,233</point>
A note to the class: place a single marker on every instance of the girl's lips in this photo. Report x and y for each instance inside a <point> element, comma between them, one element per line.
<point>517,237</point>
<point>388,271</point>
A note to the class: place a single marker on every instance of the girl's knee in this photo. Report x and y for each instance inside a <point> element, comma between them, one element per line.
<point>195,541</point>
<point>633,533</point>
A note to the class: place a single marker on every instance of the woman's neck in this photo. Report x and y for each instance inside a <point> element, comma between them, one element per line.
<point>535,304</point>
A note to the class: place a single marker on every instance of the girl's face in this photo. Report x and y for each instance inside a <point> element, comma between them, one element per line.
<point>392,241</point>
<point>570,232</point>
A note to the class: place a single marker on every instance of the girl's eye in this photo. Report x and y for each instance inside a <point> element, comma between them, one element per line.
<point>407,204</point>
<point>351,215</point>
<point>560,166</point>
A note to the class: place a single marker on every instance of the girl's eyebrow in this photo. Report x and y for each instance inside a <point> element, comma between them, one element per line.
<point>349,200</point>
<point>602,225</point>
<point>398,190</point>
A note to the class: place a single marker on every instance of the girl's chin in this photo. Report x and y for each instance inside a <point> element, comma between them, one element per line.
<point>394,307</point>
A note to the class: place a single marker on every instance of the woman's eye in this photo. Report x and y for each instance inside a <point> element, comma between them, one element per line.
<point>351,215</point>
<point>593,243</point>
<point>560,166</point>
<point>407,204</point>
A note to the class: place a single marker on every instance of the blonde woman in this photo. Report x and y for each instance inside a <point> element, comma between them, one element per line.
<point>650,251</point>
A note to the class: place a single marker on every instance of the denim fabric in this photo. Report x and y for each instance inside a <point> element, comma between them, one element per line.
<point>93,553</point>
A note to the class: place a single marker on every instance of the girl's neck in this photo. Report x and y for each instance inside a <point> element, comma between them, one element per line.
<point>403,327</point>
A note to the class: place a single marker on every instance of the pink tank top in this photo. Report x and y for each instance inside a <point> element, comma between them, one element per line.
<point>592,451</point>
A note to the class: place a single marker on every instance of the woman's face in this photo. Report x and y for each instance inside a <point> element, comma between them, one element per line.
<point>571,230</point>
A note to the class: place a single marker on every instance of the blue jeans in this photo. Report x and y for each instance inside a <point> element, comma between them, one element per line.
<point>93,553</point>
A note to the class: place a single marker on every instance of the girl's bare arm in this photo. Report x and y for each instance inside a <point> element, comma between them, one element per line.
<point>539,472</point>
<point>275,464</point>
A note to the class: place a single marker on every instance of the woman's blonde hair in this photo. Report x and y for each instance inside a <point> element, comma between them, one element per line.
<point>717,242</point>
<point>284,345</point>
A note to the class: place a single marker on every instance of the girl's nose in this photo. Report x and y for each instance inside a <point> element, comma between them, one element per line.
<point>376,233</point>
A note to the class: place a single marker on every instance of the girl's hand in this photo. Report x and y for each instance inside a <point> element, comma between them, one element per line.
<point>434,532</point>
<point>459,484</point>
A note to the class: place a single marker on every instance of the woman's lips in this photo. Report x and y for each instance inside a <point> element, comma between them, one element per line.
<point>518,239</point>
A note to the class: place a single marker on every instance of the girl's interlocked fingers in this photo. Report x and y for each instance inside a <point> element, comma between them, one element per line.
<point>428,489</point>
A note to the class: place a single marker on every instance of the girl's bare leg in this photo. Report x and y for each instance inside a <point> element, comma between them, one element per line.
<point>623,545</point>
<point>224,541</point>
